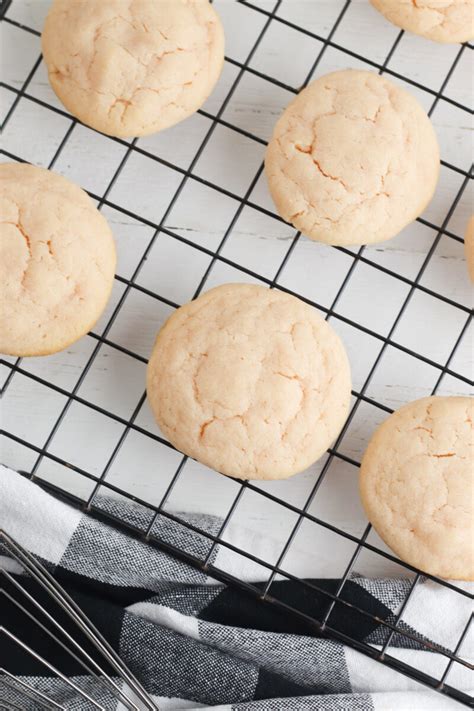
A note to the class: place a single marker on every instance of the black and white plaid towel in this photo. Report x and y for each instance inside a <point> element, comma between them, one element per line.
<point>196,644</point>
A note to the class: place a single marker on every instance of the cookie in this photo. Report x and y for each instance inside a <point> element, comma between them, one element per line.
<point>250,381</point>
<point>352,160</point>
<point>469,247</point>
<point>132,68</point>
<point>438,20</point>
<point>417,485</point>
<point>57,261</point>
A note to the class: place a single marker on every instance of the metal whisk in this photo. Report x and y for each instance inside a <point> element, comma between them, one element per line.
<point>98,688</point>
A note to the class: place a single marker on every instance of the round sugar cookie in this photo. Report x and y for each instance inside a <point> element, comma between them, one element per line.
<point>57,261</point>
<point>438,20</point>
<point>249,381</point>
<point>352,160</point>
<point>469,247</point>
<point>132,68</point>
<point>417,485</point>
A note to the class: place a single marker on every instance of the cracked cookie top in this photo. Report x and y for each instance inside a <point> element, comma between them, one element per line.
<point>249,381</point>
<point>57,261</point>
<point>132,67</point>
<point>417,485</point>
<point>438,20</point>
<point>352,160</point>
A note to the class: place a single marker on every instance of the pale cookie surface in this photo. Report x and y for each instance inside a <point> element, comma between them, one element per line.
<point>249,381</point>
<point>438,20</point>
<point>417,485</point>
<point>57,261</point>
<point>132,67</point>
<point>352,160</point>
<point>469,247</point>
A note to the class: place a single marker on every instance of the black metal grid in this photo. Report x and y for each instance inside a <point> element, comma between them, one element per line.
<point>91,503</point>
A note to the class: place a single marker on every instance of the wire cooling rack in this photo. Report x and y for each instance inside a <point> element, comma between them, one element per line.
<point>320,30</point>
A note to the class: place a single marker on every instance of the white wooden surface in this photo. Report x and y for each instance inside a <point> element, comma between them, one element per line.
<point>116,382</point>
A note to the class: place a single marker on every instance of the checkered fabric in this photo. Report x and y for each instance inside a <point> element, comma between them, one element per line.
<point>194,643</point>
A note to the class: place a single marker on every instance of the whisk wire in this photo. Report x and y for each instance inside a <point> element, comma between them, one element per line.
<point>37,572</point>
